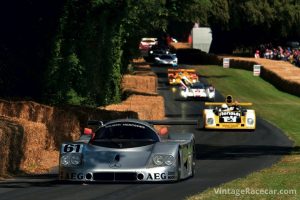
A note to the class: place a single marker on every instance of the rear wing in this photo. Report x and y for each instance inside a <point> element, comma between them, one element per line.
<point>153,122</point>
<point>89,132</point>
<point>150,38</point>
<point>229,101</point>
<point>182,72</point>
<point>190,71</point>
<point>229,104</point>
<point>172,122</point>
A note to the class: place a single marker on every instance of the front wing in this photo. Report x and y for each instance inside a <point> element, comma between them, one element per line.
<point>207,95</point>
<point>223,125</point>
<point>115,175</point>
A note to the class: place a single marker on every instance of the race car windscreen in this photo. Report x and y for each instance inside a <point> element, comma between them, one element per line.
<point>166,57</point>
<point>124,135</point>
<point>198,86</point>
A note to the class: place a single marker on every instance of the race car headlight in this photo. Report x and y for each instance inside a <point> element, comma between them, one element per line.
<point>210,121</point>
<point>75,159</point>
<point>151,52</point>
<point>250,121</point>
<point>161,160</point>
<point>158,160</point>
<point>70,159</point>
<point>65,160</point>
<point>169,160</point>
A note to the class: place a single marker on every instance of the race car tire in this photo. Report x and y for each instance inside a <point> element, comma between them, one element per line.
<point>200,124</point>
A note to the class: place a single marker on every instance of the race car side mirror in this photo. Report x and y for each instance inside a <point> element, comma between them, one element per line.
<point>163,131</point>
<point>244,111</point>
<point>87,131</point>
<point>216,111</point>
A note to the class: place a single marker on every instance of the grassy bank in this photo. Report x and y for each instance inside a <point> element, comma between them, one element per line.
<point>280,109</point>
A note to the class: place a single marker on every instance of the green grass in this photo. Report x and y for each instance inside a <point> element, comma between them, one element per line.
<point>280,109</point>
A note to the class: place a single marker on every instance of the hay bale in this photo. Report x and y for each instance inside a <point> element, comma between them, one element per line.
<point>22,144</point>
<point>140,83</point>
<point>147,107</point>
<point>11,135</point>
<point>31,133</point>
<point>283,75</point>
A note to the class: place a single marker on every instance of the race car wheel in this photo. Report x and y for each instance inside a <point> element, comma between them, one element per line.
<point>200,124</point>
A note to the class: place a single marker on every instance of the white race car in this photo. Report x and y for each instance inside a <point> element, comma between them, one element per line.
<point>197,90</point>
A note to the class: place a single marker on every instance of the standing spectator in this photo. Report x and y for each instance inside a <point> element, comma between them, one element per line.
<point>280,55</point>
<point>267,54</point>
<point>256,55</point>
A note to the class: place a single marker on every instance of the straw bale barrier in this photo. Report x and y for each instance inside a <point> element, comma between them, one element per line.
<point>147,107</point>
<point>141,84</point>
<point>31,133</point>
<point>283,75</point>
<point>140,89</point>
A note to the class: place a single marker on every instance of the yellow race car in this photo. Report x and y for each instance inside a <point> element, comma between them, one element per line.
<point>228,115</point>
<point>176,75</point>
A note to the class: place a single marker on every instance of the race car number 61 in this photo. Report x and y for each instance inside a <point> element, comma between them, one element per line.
<point>72,148</point>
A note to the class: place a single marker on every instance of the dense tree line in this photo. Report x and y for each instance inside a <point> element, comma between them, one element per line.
<point>72,51</point>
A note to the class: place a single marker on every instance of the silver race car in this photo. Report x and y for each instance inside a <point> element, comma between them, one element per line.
<point>166,59</point>
<point>127,150</point>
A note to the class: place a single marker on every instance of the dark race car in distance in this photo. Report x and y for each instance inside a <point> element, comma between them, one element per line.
<point>155,51</point>
<point>166,59</point>
<point>146,44</point>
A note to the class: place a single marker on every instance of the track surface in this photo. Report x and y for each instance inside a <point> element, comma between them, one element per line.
<point>221,157</point>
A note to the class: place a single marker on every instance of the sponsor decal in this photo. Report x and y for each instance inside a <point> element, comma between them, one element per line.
<point>171,175</point>
<point>126,124</point>
<point>160,176</point>
<point>72,148</point>
<point>225,113</point>
<point>74,176</point>
<point>230,125</point>
<point>156,176</point>
<point>114,165</point>
<point>230,117</point>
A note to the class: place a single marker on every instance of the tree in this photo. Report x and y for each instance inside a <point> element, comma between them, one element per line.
<point>93,46</point>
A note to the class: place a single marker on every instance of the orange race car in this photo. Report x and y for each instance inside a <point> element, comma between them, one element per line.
<point>176,75</point>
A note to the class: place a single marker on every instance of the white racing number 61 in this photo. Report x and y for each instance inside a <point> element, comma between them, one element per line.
<point>72,148</point>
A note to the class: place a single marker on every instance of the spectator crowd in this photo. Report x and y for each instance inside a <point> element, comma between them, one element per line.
<point>289,54</point>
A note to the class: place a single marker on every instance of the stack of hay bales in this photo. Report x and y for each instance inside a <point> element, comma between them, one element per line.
<point>31,133</point>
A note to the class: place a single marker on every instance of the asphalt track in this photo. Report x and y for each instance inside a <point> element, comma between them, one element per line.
<point>222,156</point>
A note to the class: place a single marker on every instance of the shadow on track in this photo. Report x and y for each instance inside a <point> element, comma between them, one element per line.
<point>234,152</point>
